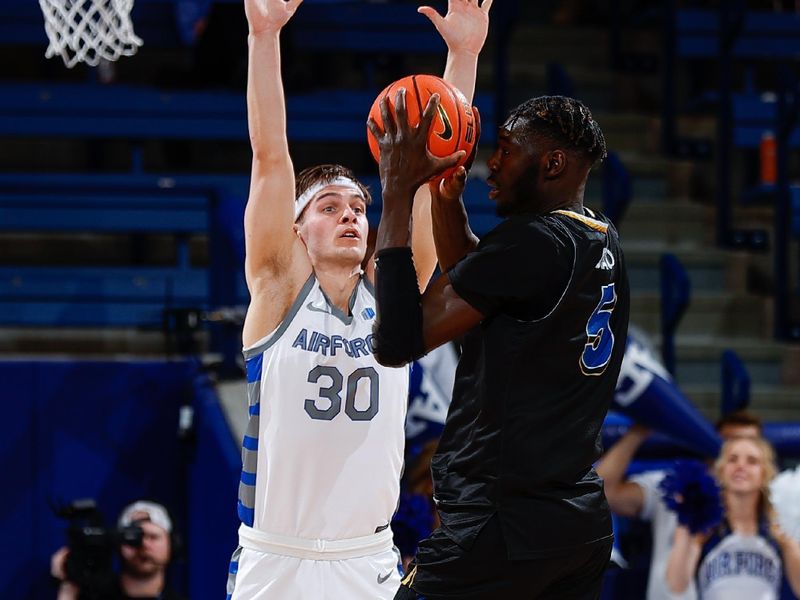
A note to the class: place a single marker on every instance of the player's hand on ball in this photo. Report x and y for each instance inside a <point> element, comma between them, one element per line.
<point>269,15</point>
<point>450,188</point>
<point>405,161</point>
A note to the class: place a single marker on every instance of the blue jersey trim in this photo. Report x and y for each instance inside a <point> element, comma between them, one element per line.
<point>254,368</point>
<point>246,515</point>
<point>248,478</point>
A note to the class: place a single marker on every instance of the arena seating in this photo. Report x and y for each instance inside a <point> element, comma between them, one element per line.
<point>132,295</point>
<point>138,113</point>
<point>734,42</point>
<point>136,204</point>
<point>378,28</point>
<point>694,35</point>
<point>137,295</point>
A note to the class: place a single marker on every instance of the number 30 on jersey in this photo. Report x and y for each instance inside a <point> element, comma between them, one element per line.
<point>333,394</point>
<point>599,337</point>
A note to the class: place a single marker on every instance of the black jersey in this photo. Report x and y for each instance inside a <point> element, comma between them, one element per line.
<point>534,382</point>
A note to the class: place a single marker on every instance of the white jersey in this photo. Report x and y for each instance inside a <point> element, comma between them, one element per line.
<point>740,567</point>
<point>323,452</point>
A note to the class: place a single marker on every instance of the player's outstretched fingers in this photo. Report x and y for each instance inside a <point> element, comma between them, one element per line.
<point>433,15</point>
<point>375,130</point>
<point>389,125</point>
<point>428,113</point>
<point>401,111</point>
<point>291,5</point>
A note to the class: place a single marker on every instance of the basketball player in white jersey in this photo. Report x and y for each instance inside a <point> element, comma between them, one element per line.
<point>322,454</point>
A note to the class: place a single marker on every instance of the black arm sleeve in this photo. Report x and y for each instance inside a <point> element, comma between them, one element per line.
<point>398,326</point>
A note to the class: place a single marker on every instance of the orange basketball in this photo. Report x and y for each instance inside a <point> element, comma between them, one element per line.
<point>453,128</point>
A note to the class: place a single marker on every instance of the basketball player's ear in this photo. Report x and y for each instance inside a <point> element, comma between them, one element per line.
<point>296,229</point>
<point>553,163</point>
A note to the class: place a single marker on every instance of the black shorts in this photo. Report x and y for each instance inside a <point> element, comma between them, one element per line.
<point>443,570</point>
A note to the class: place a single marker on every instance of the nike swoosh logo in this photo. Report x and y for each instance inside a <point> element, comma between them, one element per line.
<point>447,134</point>
<point>384,578</point>
<point>310,306</point>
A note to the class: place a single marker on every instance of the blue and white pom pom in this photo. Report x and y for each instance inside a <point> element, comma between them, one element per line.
<point>784,494</point>
<point>690,492</point>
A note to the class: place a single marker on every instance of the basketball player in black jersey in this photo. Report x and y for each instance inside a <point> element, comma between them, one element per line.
<point>542,303</point>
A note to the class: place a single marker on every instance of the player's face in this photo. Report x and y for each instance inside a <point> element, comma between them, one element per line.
<point>743,467</point>
<point>335,227</point>
<point>152,556</point>
<point>513,170</point>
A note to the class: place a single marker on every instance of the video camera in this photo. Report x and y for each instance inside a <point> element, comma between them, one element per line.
<point>92,545</point>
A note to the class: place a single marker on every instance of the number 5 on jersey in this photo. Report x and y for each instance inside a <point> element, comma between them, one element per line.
<point>599,337</point>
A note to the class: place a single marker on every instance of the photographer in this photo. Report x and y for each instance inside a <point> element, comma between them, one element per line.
<point>143,566</point>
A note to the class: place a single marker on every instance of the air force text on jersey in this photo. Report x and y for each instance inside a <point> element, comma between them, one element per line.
<point>328,346</point>
<point>740,563</point>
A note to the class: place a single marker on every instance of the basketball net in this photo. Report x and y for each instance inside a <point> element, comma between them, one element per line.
<point>89,30</point>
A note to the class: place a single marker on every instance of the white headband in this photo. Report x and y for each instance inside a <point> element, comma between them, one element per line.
<point>306,197</point>
<point>156,513</point>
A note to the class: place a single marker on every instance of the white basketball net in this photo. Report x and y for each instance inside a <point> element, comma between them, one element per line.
<point>89,30</point>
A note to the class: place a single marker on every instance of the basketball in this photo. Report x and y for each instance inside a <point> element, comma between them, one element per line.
<point>453,128</point>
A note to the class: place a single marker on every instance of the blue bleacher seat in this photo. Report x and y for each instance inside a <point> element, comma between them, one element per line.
<point>760,35</point>
<point>97,297</point>
<point>139,113</point>
<point>121,295</point>
<point>140,203</point>
<point>752,116</point>
<point>354,26</point>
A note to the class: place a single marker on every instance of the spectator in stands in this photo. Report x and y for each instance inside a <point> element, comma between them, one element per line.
<point>640,497</point>
<point>143,568</point>
<point>743,557</point>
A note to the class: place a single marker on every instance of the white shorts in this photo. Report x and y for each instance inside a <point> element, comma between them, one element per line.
<point>268,576</point>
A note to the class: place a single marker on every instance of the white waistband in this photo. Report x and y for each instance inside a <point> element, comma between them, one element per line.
<point>315,549</point>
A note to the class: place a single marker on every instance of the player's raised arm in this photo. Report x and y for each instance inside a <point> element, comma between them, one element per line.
<point>269,215</point>
<point>405,164</point>
<point>464,29</point>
